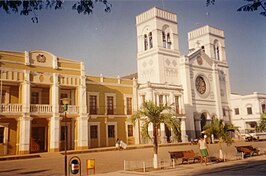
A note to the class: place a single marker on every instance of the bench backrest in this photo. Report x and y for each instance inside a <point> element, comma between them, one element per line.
<point>245,149</point>
<point>188,154</point>
<point>176,154</point>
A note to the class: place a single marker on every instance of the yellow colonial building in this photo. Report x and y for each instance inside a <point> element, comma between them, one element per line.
<point>32,118</point>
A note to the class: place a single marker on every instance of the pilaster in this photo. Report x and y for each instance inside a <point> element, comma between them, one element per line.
<point>54,138</point>
<point>26,92</point>
<point>82,132</point>
<point>24,134</point>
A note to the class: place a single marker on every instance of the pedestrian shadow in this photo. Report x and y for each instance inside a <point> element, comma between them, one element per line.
<point>34,172</point>
<point>246,168</point>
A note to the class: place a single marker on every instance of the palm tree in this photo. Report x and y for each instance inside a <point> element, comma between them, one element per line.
<point>150,113</point>
<point>262,125</point>
<point>221,131</point>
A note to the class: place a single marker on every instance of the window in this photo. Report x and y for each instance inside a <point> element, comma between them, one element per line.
<point>249,110</point>
<point>263,108</point>
<point>168,41</point>
<point>236,111</point>
<point>34,97</point>
<point>150,40</point>
<point>143,98</point>
<point>160,99</point>
<point>129,105</point>
<point>110,105</point>
<point>164,39</point>
<point>224,112</point>
<point>130,130</point>
<point>2,134</point>
<point>145,42</point>
<point>93,104</point>
<point>111,131</point>
<point>94,131</point>
<point>177,104</point>
<point>216,50</point>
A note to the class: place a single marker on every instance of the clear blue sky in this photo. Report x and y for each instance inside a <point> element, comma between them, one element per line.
<point>106,42</point>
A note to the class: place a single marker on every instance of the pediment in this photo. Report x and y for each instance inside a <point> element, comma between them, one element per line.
<point>200,58</point>
<point>42,58</point>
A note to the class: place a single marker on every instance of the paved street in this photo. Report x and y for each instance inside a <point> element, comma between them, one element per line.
<point>111,162</point>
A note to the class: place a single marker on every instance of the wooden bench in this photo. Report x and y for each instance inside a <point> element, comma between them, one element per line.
<point>247,150</point>
<point>184,155</point>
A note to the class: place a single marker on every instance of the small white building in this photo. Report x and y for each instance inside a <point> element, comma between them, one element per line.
<point>246,110</point>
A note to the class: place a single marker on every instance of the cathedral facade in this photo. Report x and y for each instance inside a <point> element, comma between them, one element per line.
<point>197,83</point>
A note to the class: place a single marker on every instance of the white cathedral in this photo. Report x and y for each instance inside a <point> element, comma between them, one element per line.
<point>197,83</point>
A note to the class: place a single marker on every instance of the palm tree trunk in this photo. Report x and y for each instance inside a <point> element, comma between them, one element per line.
<point>155,146</point>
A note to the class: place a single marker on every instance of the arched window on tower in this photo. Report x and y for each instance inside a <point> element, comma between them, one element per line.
<point>216,49</point>
<point>145,42</point>
<point>164,39</point>
<point>168,41</point>
<point>150,40</point>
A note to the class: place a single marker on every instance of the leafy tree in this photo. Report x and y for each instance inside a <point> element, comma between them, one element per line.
<point>252,5</point>
<point>28,7</point>
<point>150,113</point>
<point>262,125</point>
<point>221,131</point>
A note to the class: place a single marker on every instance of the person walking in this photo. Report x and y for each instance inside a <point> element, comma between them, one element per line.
<point>203,146</point>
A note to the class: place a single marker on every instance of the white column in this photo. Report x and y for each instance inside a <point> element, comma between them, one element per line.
<point>217,92</point>
<point>26,92</point>
<point>82,130</point>
<point>24,134</point>
<point>184,136</point>
<point>54,133</point>
<point>54,125</point>
<point>82,120</point>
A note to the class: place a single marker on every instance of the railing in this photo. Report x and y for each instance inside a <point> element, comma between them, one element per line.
<point>36,108</point>
<point>71,109</point>
<point>39,108</point>
<point>11,108</point>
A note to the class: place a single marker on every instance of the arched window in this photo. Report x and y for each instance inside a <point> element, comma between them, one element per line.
<point>150,40</point>
<point>168,41</point>
<point>145,42</point>
<point>164,39</point>
<point>216,49</point>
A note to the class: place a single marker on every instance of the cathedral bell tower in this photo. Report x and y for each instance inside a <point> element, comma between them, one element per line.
<point>158,49</point>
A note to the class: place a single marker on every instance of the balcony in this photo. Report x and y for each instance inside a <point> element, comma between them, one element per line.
<point>36,109</point>
<point>40,108</point>
<point>11,108</point>
<point>72,109</point>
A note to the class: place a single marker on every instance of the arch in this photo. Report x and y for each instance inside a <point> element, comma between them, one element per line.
<point>150,40</point>
<point>217,49</point>
<point>167,35</point>
<point>203,120</point>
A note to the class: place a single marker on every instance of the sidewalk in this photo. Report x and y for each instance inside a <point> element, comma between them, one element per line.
<point>249,166</point>
<point>109,161</point>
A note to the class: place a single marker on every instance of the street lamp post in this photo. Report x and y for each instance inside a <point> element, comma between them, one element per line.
<point>65,102</point>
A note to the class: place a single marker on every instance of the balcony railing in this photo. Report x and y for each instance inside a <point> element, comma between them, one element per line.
<point>36,108</point>
<point>11,108</point>
<point>40,108</point>
<point>71,109</point>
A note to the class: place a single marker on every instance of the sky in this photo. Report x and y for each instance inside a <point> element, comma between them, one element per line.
<point>106,42</point>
